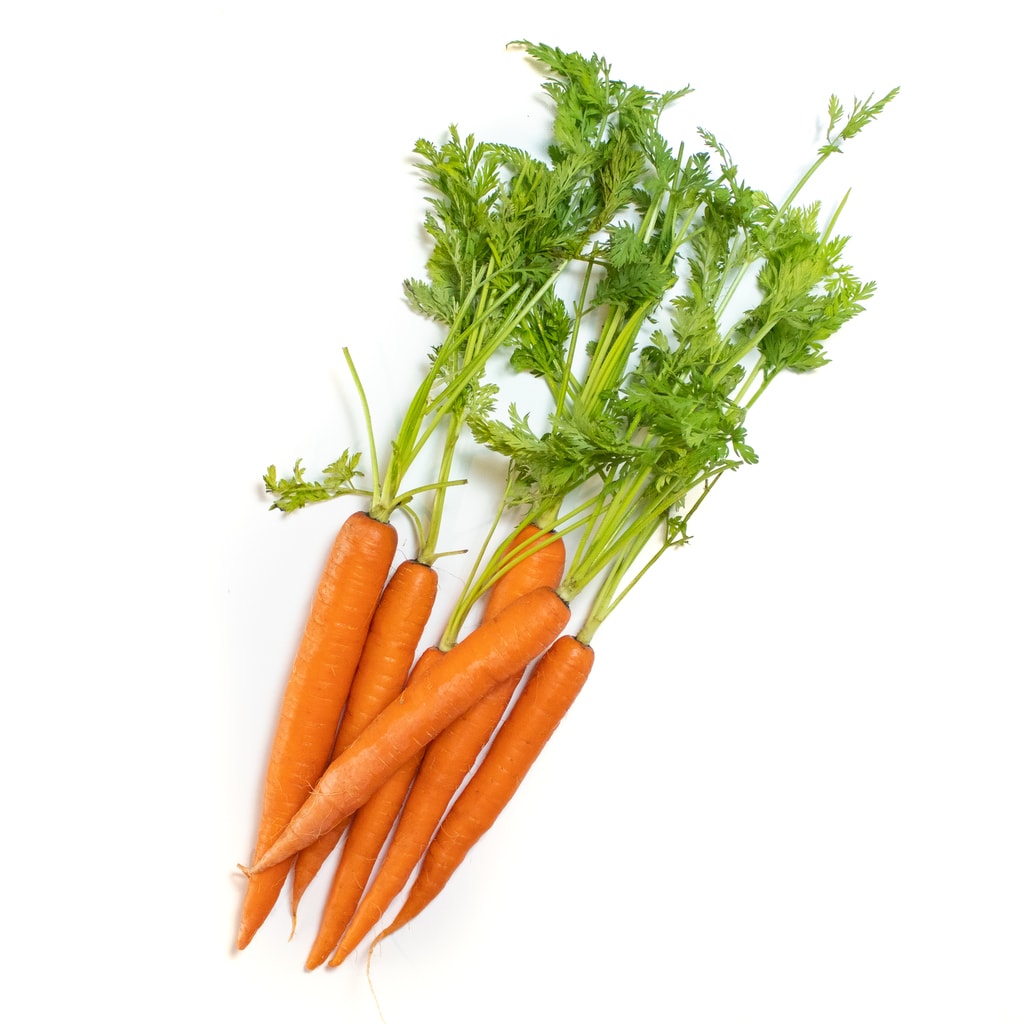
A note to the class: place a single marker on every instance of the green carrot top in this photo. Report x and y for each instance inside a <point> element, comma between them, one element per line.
<point>653,372</point>
<point>609,271</point>
<point>504,226</point>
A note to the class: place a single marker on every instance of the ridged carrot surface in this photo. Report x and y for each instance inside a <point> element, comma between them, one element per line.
<point>490,654</point>
<point>451,756</point>
<point>395,632</point>
<point>317,688</point>
<point>554,684</point>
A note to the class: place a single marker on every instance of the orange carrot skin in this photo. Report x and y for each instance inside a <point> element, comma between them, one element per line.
<point>451,756</point>
<point>395,632</point>
<point>542,566</point>
<point>493,651</point>
<point>554,684</point>
<point>369,829</point>
<point>432,790</point>
<point>363,843</point>
<point>317,688</point>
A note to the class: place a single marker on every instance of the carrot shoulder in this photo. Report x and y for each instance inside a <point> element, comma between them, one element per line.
<point>395,631</point>
<point>318,685</point>
<point>536,558</point>
<point>491,653</point>
<point>554,684</point>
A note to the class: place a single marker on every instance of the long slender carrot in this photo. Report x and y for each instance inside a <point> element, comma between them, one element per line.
<point>553,685</point>
<point>490,654</point>
<point>348,592</point>
<point>367,833</point>
<point>451,756</point>
<point>395,631</point>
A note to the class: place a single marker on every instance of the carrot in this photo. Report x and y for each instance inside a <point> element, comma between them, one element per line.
<point>554,684</point>
<point>451,756</point>
<point>640,430</point>
<point>395,631</point>
<point>491,653</point>
<point>369,829</point>
<point>317,688</point>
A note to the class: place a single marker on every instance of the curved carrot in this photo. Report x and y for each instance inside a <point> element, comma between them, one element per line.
<point>318,685</point>
<point>395,631</point>
<point>451,756</point>
<point>491,653</point>
<point>553,685</point>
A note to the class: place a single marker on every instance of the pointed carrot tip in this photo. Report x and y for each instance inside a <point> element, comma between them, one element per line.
<point>340,955</point>
<point>314,960</point>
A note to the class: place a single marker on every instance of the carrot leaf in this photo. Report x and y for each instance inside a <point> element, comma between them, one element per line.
<point>296,491</point>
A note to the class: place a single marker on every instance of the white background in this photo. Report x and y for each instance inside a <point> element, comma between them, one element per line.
<point>792,789</point>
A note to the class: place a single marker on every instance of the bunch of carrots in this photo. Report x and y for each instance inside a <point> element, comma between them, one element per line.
<point>610,273</point>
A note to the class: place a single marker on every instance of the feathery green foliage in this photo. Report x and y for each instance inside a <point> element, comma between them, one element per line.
<point>610,271</point>
<point>651,409</point>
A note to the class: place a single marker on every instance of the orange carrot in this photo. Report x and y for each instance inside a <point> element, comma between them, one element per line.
<point>396,629</point>
<point>451,756</point>
<point>349,589</point>
<point>369,829</point>
<point>491,653</point>
<point>554,684</point>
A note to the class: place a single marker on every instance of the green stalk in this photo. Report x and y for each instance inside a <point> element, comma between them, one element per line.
<point>365,406</point>
<point>428,553</point>
<point>570,357</point>
<point>612,590</point>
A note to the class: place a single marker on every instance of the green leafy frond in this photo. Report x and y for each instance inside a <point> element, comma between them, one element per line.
<point>296,491</point>
<point>862,114</point>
